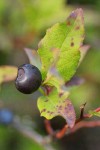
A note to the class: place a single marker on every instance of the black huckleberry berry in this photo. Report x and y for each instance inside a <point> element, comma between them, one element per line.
<point>6,116</point>
<point>28,79</point>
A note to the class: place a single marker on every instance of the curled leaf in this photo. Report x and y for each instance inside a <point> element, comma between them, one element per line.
<point>33,57</point>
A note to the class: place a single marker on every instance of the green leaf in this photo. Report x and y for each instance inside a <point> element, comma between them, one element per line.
<point>7,73</point>
<point>68,37</point>
<point>57,104</point>
<point>93,113</point>
<point>53,78</point>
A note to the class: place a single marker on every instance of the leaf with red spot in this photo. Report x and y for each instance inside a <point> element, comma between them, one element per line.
<point>57,104</point>
<point>67,37</point>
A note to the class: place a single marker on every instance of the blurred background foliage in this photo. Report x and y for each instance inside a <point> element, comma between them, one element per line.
<point>22,24</point>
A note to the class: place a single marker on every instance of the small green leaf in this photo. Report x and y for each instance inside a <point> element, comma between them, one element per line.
<point>7,73</point>
<point>57,104</point>
<point>53,78</point>
<point>93,113</point>
<point>68,37</point>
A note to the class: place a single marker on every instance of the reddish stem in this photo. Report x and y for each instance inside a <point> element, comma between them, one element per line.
<point>97,110</point>
<point>89,115</point>
<point>85,124</point>
<point>48,89</point>
<point>62,132</point>
<point>49,129</point>
<point>78,124</point>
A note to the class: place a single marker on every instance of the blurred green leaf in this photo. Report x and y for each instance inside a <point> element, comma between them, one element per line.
<point>21,22</point>
<point>7,73</point>
<point>90,67</point>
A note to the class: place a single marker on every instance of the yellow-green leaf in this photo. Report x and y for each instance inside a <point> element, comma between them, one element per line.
<point>57,104</point>
<point>67,37</point>
<point>7,73</point>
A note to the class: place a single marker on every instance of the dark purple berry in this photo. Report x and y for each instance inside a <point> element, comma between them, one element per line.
<point>28,79</point>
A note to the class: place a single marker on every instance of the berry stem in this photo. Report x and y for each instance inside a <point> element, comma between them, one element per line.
<point>41,91</point>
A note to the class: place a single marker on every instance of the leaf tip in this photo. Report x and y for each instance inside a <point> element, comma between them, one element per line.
<point>77,13</point>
